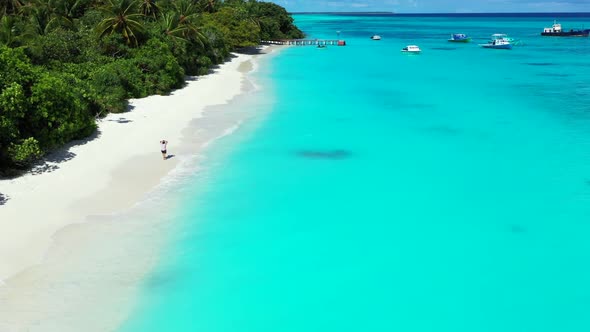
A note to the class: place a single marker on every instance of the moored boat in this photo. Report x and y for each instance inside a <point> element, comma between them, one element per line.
<point>411,49</point>
<point>503,36</point>
<point>557,31</point>
<point>460,38</point>
<point>512,41</point>
<point>502,44</point>
<point>376,37</point>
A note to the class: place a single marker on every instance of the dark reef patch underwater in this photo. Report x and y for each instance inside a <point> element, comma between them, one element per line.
<point>540,64</point>
<point>444,130</point>
<point>553,75</point>
<point>517,229</point>
<point>324,154</point>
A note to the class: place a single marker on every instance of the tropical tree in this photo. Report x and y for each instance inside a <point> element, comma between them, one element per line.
<point>187,10</point>
<point>43,21</point>
<point>123,18</point>
<point>274,21</point>
<point>70,9</point>
<point>8,31</point>
<point>238,29</point>
<point>10,6</point>
<point>209,6</point>
<point>46,16</point>
<point>172,28</point>
<point>149,8</point>
<point>188,14</point>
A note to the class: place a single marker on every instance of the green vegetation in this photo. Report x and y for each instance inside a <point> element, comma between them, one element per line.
<point>63,63</point>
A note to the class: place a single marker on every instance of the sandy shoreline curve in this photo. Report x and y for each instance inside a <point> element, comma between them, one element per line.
<point>89,180</point>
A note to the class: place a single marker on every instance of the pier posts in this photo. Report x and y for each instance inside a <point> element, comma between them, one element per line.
<point>306,42</point>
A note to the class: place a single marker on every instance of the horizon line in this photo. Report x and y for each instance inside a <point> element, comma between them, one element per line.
<point>420,13</point>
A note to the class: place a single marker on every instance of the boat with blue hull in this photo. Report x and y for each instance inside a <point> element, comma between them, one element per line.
<point>459,38</point>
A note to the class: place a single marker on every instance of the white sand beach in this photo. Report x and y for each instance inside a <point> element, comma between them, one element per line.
<point>91,181</point>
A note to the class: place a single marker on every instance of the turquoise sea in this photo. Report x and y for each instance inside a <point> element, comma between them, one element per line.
<point>376,191</point>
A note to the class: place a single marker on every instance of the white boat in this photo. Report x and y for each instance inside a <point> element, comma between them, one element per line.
<point>503,36</point>
<point>411,49</point>
<point>376,37</point>
<point>502,44</point>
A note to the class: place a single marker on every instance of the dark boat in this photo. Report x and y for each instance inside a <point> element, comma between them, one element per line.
<point>557,31</point>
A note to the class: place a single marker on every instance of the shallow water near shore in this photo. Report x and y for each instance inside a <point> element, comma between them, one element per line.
<point>88,277</point>
<point>376,191</point>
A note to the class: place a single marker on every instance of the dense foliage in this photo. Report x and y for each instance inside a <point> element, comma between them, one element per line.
<point>63,63</point>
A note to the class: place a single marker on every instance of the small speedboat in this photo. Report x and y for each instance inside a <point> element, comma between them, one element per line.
<point>460,38</point>
<point>412,49</point>
<point>502,44</point>
<point>376,37</point>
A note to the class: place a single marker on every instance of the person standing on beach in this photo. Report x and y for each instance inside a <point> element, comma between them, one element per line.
<point>163,144</point>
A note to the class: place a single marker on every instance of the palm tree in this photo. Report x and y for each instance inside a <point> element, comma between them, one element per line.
<point>47,15</point>
<point>187,15</point>
<point>186,9</point>
<point>70,9</point>
<point>172,28</point>
<point>122,17</point>
<point>149,8</point>
<point>10,6</point>
<point>209,6</point>
<point>42,20</point>
<point>8,31</point>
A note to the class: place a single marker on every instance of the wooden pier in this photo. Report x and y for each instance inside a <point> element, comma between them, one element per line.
<point>305,42</point>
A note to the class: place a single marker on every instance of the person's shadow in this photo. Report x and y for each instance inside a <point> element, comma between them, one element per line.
<point>170,156</point>
<point>3,199</point>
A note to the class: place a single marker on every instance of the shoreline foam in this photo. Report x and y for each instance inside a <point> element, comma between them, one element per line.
<point>42,247</point>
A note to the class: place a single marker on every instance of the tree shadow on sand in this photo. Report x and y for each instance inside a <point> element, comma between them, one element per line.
<point>254,50</point>
<point>120,120</point>
<point>52,160</point>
